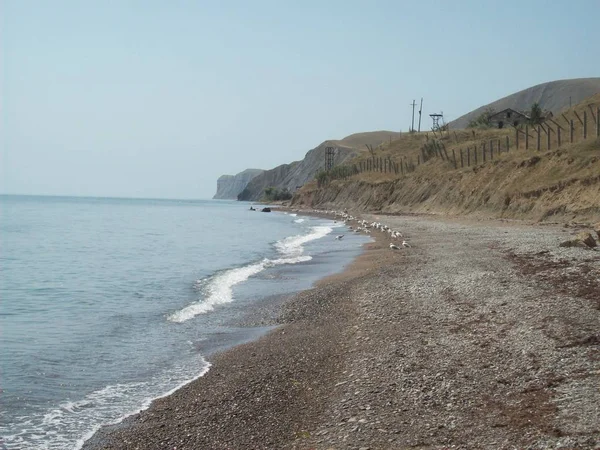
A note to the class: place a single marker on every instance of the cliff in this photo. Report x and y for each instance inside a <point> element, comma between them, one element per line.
<point>298,173</point>
<point>229,186</point>
<point>552,96</point>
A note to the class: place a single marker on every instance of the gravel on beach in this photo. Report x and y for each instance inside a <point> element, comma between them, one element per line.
<point>480,335</point>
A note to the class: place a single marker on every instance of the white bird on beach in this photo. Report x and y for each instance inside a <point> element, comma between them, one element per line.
<point>339,237</point>
<point>405,244</point>
<point>394,247</point>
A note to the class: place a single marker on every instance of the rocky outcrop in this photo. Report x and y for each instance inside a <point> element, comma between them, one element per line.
<point>229,186</point>
<point>294,175</point>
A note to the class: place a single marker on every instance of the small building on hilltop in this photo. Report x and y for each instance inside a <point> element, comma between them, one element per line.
<point>508,117</point>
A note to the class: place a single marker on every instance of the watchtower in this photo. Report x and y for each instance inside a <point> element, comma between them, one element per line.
<point>436,120</point>
<point>329,154</point>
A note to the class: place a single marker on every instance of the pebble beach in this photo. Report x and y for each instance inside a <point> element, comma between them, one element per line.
<point>481,334</point>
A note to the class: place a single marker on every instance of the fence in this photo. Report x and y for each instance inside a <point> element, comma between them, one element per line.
<point>544,136</point>
<point>552,134</point>
<point>372,164</point>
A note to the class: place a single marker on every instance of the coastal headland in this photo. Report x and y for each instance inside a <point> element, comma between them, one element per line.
<point>482,334</point>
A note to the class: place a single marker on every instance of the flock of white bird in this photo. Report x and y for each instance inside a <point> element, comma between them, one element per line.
<point>363,226</point>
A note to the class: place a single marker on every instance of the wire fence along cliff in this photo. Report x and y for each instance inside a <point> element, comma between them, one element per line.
<point>551,134</point>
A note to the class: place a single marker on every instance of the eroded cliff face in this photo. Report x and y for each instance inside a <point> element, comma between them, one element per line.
<point>518,186</point>
<point>229,186</point>
<point>294,175</point>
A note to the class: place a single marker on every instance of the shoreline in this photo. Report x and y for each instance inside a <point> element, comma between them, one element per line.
<point>267,316</point>
<point>377,357</point>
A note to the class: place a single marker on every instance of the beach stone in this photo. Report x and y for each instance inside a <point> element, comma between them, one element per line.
<point>597,230</point>
<point>581,240</point>
<point>586,238</point>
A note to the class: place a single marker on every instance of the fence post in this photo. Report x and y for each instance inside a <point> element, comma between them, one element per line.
<point>548,136</point>
<point>483,152</point>
<point>571,130</point>
<point>454,158</point>
<point>475,155</point>
<point>598,121</point>
<point>462,161</point>
<point>491,150</point>
<point>508,144</point>
<point>526,137</point>
<point>558,136</point>
<point>539,138</point>
<point>401,167</point>
<point>585,124</point>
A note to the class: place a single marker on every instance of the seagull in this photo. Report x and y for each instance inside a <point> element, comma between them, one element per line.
<point>339,237</point>
<point>405,244</point>
<point>394,247</point>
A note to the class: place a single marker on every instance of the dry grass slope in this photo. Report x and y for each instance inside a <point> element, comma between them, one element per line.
<point>552,96</point>
<point>550,184</point>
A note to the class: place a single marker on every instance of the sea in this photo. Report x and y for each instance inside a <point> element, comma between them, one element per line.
<point>107,304</point>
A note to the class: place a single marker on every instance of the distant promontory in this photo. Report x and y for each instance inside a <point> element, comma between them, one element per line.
<point>229,186</point>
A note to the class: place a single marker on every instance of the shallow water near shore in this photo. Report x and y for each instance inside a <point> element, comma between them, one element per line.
<point>110,303</point>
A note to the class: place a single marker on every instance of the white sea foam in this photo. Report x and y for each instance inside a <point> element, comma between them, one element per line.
<point>219,289</point>
<point>299,220</point>
<point>57,428</point>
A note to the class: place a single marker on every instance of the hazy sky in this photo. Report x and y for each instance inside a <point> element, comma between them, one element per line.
<point>158,98</point>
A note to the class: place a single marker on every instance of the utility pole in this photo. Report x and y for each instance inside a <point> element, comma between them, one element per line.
<point>412,128</point>
<point>420,111</point>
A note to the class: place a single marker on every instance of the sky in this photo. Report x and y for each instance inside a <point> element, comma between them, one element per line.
<point>157,99</point>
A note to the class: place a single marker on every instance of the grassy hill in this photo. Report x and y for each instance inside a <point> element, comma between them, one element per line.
<point>553,96</point>
<point>557,183</point>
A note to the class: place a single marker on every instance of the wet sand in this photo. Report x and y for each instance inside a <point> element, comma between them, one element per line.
<point>481,335</point>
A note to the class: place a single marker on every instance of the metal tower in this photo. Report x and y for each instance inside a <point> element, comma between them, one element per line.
<point>329,154</point>
<point>436,120</point>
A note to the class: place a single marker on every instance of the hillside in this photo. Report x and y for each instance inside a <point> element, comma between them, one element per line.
<point>553,96</point>
<point>229,186</point>
<point>552,183</point>
<point>293,175</point>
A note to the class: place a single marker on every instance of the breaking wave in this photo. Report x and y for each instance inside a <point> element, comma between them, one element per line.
<point>219,288</point>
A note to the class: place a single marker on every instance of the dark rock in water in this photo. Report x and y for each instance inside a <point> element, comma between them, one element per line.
<point>266,210</point>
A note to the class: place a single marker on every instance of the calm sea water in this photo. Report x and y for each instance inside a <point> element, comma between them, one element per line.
<point>106,304</point>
